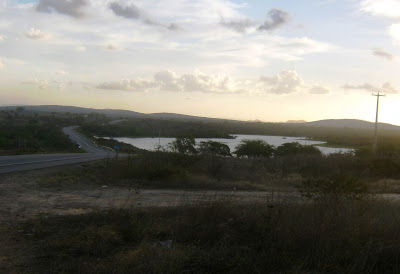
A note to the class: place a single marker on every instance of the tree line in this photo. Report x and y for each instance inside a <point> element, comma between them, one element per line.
<point>246,148</point>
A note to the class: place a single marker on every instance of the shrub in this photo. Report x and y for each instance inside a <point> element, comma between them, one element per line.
<point>215,148</point>
<point>254,148</point>
<point>296,148</point>
<point>184,145</point>
<point>333,188</point>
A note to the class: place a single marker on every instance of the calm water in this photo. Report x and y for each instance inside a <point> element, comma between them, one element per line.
<point>152,143</point>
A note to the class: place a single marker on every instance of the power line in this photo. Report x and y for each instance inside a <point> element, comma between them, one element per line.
<point>376,121</point>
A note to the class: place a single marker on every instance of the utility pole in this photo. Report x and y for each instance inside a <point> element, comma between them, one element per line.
<point>376,121</point>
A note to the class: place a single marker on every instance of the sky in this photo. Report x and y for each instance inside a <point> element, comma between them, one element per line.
<point>264,60</point>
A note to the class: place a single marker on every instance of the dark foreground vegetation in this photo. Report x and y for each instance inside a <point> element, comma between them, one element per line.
<point>334,218</point>
<point>329,236</point>
<point>167,170</point>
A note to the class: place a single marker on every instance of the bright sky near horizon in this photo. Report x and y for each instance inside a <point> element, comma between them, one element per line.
<point>267,60</point>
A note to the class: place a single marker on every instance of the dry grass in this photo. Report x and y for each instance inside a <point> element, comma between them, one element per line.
<point>217,235</point>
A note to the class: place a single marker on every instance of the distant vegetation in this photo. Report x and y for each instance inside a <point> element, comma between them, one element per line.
<point>359,139</point>
<point>145,127</point>
<point>23,133</point>
<point>28,131</point>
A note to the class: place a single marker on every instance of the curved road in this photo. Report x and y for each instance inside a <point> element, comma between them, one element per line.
<point>35,161</point>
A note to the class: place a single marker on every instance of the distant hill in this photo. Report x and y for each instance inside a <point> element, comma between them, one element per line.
<point>348,123</point>
<point>115,113</point>
<point>77,110</point>
<point>296,122</point>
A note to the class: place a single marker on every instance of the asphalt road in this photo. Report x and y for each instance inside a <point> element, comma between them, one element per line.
<point>36,161</point>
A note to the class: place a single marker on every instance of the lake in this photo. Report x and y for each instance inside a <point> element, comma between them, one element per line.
<point>152,143</point>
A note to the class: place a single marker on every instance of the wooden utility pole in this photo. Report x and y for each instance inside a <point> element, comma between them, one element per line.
<point>376,121</point>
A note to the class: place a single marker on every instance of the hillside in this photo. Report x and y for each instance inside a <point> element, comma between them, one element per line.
<point>347,123</point>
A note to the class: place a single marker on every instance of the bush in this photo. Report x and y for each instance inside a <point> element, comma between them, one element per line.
<point>215,148</point>
<point>333,188</point>
<point>296,148</point>
<point>254,148</point>
<point>184,145</point>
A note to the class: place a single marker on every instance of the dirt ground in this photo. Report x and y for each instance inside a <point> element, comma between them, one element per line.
<point>24,196</point>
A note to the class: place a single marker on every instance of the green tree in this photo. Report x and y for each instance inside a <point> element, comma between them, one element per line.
<point>184,145</point>
<point>296,148</point>
<point>254,148</point>
<point>215,148</point>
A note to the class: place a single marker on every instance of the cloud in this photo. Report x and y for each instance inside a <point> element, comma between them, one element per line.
<point>42,84</point>
<point>275,19</point>
<point>239,25</point>
<point>394,31</point>
<point>1,38</point>
<point>80,48</point>
<point>167,80</point>
<point>174,27</point>
<point>73,8</point>
<point>170,81</point>
<point>385,8</point>
<point>61,72</point>
<point>128,85</point>
<point>36,34</point>
<point>113,47</point>
<point>131,11</point>
<point>318,90</point>
<point>1,64</point>
<point>284,82</point>
<point>195,82</point>
<point>382,54</point>
<point>386,88</point>
<point>207,84</point>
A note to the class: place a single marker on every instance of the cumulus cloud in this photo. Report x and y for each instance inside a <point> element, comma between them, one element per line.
<point>72,8</point>
<point>275,19</point>
<point>1,38</point>
<point>170,81</point>
<point>167,80</point>
<point>238,25</point>
<point>36,34</point>
<point>394,31</point>
<point>128,85</point>
<point>284,82</point>
<point>1,64</point>
<point>195,82</point>
<point>131,11</point>
<point>318,90</point>
<point>386,88</point>
<point>382,54</point>
<point>386,8</point>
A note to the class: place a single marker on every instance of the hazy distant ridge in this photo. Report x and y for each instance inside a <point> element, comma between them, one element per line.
<point>116,113</point>
<point>348,123</point>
